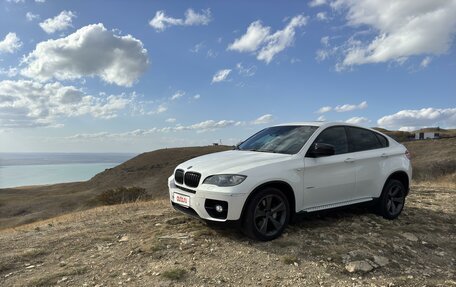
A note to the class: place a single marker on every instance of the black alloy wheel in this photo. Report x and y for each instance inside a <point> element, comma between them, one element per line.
<point>267,215</point>
<point>392,200</point>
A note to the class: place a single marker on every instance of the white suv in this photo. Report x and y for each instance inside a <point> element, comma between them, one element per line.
<point>293,168</point>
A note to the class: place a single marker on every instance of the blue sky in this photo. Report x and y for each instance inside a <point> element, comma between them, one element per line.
<point>140,75</point>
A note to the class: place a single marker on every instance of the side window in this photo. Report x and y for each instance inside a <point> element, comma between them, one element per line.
<point>336,137</point>
<point>383,141</point>
<point>362,139</point>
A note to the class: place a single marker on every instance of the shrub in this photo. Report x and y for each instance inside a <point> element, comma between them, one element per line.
<point>122,195</point>
<point>175,274</point>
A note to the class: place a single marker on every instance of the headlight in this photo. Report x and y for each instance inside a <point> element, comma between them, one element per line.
<point>225,179</point>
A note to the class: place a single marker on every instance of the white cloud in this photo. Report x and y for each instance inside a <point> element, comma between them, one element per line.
<point>357,120</point>
<point>403,29</point>
<point>252,39</point>
<point>221,76</point>
<point>30,16</point>
<point>321,118</point>
<point>40,1</point>
<point>246,71</point>
<point>31,104</point>
<point>177,95</point>
<point>159,110</point>
<point>60,22</point>
<point>204,126</point>
<point>349,108</point>
<point>10,44</point>
<point>324,109</point>
<point>90,51</point>
<point>264,119</point>
<point>315,3</point>
<point>16,1</point>
<point>197,96</point>
<point>426,117</point>
<point>425,62</point>
<point>259,40</point>
<point>170,120</point>
<point>321,16</point>
<point>160,21</point>
<point>10,72</point>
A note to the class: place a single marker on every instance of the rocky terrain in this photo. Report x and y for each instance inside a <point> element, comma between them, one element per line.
<point>149,244</point>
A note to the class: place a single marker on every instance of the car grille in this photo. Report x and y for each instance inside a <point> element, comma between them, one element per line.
<point>192,179</point>
<point>179,176</point>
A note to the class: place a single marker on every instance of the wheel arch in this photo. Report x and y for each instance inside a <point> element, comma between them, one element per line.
<point>403,177</point>
<point>282,186</point>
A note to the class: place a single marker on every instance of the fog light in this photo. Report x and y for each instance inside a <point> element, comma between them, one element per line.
<point>219,208</point>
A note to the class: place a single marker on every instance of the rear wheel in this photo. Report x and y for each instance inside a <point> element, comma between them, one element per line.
<point>392,200</point>
<point>267,214</point>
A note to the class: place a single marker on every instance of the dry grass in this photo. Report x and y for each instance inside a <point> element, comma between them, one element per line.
<point>433,160</point>
<point>122,195</point>
<point>175,274</point>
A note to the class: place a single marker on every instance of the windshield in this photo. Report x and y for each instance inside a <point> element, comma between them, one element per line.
<point>280,139</point>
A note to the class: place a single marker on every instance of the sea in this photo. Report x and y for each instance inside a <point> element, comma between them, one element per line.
<point>25,169</point>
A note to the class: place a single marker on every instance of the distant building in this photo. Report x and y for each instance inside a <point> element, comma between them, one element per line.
<point>427,135</point>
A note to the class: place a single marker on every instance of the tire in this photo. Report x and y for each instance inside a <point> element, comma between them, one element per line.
<point>266,215</point>
<point>392,200</point>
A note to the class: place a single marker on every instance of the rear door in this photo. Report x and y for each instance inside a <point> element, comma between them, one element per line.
<point>371,153</point>
<point>330,179</point>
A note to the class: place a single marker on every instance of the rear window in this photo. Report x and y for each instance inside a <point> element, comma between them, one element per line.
<point>362,139</point>
<point>383,141</point>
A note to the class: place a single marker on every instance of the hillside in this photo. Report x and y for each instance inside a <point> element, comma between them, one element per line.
<point>149,244</point>
<point>433,161</point>
<point>149,170</point>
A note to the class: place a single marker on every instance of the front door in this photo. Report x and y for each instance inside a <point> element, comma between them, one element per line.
<point>330,179</point>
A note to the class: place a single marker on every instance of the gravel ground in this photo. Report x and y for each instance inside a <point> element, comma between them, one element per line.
<point>149,244</point>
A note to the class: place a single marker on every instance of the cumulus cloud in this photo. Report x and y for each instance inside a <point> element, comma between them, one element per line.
<point>177,95</point>
<point>170,120</point>
<point>315,3</point>
<point>357,120</point>
<point>159,110</point>
<point>60,22</point>
<point>31,17</point>
<point>259,40</point>
<point>160,21</point>
<point>88,52</point>
<point>321,16</point>
<point>10,44</point>
<point>349,108</point>
<point>221,76</point>
<point>426,117</point>
<point>264,119</point>
<point>402,29</point>
<point>324,109</point>
<point>197,97</point>
<point>30,104</point>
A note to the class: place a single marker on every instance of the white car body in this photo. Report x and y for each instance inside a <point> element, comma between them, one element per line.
<point>316,183</point>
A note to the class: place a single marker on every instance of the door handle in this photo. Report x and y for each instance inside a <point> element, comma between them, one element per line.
<point>384,155</point>
<point>349,159</point>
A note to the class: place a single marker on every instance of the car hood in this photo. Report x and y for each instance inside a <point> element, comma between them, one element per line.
<point>231,162</point>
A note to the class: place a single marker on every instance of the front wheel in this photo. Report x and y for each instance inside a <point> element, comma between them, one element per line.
<point>267,215</point>
<point>392,200</point>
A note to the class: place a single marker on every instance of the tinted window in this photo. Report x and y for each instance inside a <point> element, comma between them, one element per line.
<point>279,139</point>
<point>362,139</point>
<point>336,137</point>
<point>383,141</point>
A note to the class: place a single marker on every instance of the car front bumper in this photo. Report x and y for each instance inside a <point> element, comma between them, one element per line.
<point>198,201</point>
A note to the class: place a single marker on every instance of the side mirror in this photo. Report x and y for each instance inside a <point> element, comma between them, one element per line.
<point>237,145</point>
<point>320,150</point>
